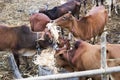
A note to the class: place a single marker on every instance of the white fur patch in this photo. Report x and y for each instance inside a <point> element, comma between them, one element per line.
<point>53,29</point>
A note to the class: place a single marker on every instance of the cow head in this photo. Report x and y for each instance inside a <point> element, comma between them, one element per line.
<point>59,36</point>
<point>45,43</point>
<point>65,21</point>
<point>65,58</point>
<point>45,39</point>
<point>61,61</point>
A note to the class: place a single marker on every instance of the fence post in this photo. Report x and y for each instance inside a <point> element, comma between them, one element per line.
<point>103,56</point>
<point>14,67</point>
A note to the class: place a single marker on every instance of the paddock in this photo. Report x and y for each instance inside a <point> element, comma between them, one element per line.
<point>15,14</point>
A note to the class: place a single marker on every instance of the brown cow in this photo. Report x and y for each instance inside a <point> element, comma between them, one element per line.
<point>87,27</point>
<point>85,56</point>
<point>38,21</point>
<point>21,38</point>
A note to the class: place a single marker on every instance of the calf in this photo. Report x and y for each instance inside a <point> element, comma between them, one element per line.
<point>21,38</point>
<point>86,27</point>
<point>38,21</point>
<point>58,11</point>
<point>85,56</point>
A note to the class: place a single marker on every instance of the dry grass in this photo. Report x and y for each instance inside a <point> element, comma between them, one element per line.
<point>17,13</point>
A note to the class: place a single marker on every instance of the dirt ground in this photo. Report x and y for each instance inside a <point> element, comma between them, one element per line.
<point>16,12</point>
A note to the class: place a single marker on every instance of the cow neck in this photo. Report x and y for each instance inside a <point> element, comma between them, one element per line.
<point>82,28</point>
<point>78,56</point>
<point>37,42</point>
<point>74,27</point>
<point>69,56</point>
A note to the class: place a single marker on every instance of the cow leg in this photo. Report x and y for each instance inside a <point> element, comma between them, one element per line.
<point>93,40</point>
<point>109,11</point>
<point>102,2</point>
<point>96,78</point>
<point>112,5</point>
<point>85,2</point>
<point>16,56</point>
<point>77,13</point>
<point>85,78</point>
<point>82,78</point>
<point>93,1</point>
<point>26,61</point>
<point>116,9</point>
<point>97,3</point>
<point>27,66</point>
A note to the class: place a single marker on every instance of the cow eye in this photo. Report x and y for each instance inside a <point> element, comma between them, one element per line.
<point>64,18</point>
<point>61,55</point>
<point>58,28</point>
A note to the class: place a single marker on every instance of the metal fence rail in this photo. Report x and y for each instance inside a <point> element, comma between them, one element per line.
<point>75,74</point>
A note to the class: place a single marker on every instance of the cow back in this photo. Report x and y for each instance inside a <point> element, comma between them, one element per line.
<point>26,38</point>
<point>58,11</point>
<point>92,24</point>
<point>38,21</point>
<point>8,38</point>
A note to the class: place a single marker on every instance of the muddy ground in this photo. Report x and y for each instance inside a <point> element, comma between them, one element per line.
<point>16,12</point>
